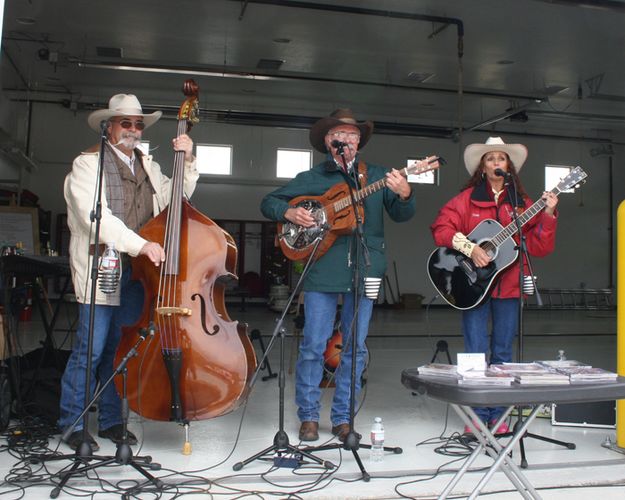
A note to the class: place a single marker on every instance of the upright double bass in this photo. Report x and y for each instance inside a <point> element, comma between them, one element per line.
<point>198,363</point>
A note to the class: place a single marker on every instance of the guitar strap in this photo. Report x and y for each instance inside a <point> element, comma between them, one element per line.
<point>362,174</point>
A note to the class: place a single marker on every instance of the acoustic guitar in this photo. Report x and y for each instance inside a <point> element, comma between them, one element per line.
<point>454,275</point>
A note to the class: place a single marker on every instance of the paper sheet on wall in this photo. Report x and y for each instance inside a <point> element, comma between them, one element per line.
<point>15,228</point>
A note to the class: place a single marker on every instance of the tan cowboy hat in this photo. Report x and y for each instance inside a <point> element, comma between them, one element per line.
<point>122,105</point>
<point>474,152</point>
<point>338,117</point>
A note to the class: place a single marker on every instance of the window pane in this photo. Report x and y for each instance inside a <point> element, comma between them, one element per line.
<point>428,177</point>
<point>553,174</point>
<point>292,161</point>
<point>214,159</point>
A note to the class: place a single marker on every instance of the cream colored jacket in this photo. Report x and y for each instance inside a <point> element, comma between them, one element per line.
<point>80,191</point>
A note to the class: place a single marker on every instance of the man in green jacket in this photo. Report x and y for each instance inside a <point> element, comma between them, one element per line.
<point>331,275</point>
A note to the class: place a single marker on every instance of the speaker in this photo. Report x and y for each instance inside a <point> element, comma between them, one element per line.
<point>597,414</point>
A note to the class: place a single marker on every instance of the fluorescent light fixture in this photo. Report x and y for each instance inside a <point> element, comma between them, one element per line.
<point>175,71</point>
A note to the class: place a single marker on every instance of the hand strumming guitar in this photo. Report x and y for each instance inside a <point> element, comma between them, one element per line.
<point>299,216</point>
<point>479,256</point>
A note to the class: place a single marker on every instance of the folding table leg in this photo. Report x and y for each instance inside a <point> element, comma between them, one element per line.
<point>500,455</point>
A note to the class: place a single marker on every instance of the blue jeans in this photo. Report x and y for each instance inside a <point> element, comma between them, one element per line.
<point>106,335</point>
<point>504,316</point>
<point>320,311</point>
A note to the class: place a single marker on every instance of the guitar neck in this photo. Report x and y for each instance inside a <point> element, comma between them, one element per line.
<point>511,229</point>
<point>361,194</point>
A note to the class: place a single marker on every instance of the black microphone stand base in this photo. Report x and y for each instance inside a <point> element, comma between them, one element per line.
<point>123,456</point>
<point>442,347</point>
<point>279,448</point>
<point>352,443</point>
<point>517,424</point>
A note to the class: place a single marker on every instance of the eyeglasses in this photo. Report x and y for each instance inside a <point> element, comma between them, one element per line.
<point>129,123</point>
<point>340,134</point>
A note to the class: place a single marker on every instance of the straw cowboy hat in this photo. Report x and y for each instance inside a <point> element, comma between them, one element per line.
<point>122,105</point>
<point>474,152</point>
<point>338,117</point>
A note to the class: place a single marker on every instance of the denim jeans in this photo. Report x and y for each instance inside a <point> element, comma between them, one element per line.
<point>106,335</point>
<point>320,312</point>
<point>504,316</point>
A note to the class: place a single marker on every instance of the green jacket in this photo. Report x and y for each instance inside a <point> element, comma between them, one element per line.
<point>333,271</point>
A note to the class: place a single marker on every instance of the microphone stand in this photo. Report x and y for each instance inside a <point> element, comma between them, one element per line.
<point>84,452</point>
<point>281,447</point>
<point>522,256</point>
<point>352,440</point>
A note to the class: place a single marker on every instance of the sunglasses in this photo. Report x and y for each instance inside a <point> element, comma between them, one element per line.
<point>129,123</point>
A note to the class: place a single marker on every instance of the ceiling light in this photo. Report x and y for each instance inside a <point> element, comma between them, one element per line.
<point>27,21</point>
<point>115,52</point>
<point>271,64</point>
<point>555,89</point>
<point>419,76</point>
<point>174,71</point>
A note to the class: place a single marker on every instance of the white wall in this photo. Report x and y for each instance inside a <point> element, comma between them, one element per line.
<point>582,253</point>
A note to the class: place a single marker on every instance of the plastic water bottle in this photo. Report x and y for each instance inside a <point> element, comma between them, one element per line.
<point>377,441</point>
<point>109,269</point>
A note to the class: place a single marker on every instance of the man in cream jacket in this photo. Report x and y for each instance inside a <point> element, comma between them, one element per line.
<point>133,191</point>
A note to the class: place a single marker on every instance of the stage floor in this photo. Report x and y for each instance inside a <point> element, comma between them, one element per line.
<point>398,339</point>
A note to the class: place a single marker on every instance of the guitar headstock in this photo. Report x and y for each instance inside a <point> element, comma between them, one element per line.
<point>574,178</point>
<point>422,166</point>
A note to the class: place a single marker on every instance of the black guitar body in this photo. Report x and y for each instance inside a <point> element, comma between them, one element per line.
<point>456,278</point>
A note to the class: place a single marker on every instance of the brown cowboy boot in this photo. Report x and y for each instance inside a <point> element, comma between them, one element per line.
<point>309,431</point>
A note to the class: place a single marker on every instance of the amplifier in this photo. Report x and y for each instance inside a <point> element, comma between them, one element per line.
<point>598,414</point>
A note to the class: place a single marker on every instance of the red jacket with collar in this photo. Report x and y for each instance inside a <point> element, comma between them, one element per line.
<point>466,210</point>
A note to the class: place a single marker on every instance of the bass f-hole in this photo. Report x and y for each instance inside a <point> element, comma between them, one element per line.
<point>203,314</point>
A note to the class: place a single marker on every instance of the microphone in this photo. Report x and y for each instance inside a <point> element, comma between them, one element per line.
<point>338,144</point>
<point>501,173</point>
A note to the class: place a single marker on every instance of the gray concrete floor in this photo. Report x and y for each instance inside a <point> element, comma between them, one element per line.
<point>399,339</point>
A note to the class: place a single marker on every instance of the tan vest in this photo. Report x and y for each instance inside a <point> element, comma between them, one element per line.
<point>138,193</point>
<point>138,206</point>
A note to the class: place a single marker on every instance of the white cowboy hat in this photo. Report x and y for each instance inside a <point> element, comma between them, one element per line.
<point>122,105</point>
<point>474,152</point>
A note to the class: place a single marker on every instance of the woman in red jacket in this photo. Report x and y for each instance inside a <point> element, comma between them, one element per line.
<point>485,197</point>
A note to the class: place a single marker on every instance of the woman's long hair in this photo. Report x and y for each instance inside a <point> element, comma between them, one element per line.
<point>478,177</point>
